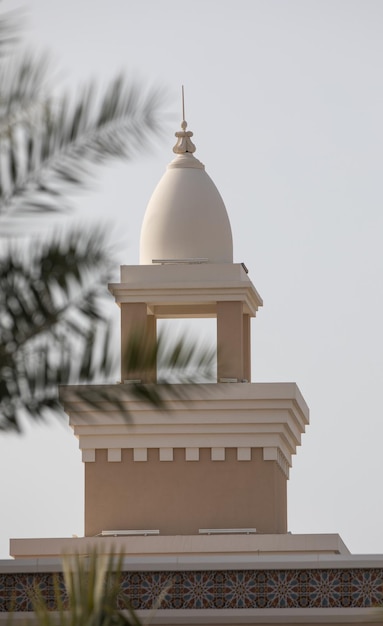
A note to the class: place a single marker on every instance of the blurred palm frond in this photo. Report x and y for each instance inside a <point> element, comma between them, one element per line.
<point>23,81</point>
<point>90,594</point>
<point>53,329</point>
<point>49,146</point>
<point>10,24</point>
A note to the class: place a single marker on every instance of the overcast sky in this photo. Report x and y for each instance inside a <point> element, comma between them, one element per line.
<point>285,99</point>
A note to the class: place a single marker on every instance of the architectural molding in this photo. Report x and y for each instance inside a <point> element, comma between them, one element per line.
<point>260,551</point>
<point>336,590</point>
<point>270,416</point>
<point>183,290</point>
<point>114,455</point>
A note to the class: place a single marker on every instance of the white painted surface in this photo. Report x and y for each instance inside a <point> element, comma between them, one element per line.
<point>186,217</point>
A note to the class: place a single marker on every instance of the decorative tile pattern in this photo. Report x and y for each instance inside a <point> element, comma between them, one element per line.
<point>228,589</point>
<point>18,590</point>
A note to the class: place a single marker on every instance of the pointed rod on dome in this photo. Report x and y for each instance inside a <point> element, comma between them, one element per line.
<point>183,108</point>
<point>184,143</point>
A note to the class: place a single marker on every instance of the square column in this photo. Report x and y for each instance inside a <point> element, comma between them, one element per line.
<point>233,341</point>
<point>137,326</point>
<point>247,347</point>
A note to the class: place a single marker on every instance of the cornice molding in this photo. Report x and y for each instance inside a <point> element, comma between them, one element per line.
<point>270,416</point>
<point>167,288</point>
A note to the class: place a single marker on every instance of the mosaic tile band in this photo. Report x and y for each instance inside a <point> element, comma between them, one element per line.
<point>228,589</point>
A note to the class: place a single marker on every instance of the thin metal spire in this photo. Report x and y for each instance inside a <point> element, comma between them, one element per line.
<point>183,104</point>
<point>184,143</point>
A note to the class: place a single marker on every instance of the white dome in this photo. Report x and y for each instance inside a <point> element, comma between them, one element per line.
<point>186,217</point>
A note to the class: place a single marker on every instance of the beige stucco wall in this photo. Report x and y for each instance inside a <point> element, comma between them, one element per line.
<point>180,497</point>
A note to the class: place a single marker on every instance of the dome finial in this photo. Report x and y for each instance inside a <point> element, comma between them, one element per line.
<point>184,143</point>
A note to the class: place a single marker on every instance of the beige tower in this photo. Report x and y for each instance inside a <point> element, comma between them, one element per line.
<point>194,496</point>
<point>217,458</point>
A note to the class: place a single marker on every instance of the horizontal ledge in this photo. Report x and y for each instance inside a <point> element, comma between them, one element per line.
<point>227,531</point>
<point>128,533</point>
<point>239,551</point>
<point>171,261</point>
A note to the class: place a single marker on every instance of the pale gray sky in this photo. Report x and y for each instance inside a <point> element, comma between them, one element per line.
<point>285,99</point>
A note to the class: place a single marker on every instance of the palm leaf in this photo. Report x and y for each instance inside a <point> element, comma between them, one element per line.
<point>24,80</point>
<point>52,326</point>
<point>50,152</point>
<point>10,22</point>
<point>89,593</point>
